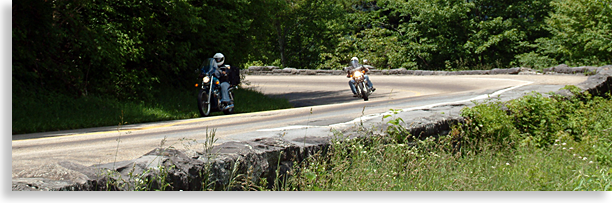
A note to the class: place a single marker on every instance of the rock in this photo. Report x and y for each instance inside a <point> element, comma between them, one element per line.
<point>290,70</point>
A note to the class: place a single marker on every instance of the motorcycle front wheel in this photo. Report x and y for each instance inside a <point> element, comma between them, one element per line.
<point>203,104</point>
<point>364,94</point>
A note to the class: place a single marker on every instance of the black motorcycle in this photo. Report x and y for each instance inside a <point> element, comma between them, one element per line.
<point>361,86</point>
<point>209,94</point>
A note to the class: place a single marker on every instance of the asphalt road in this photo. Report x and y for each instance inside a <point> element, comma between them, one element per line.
<point>318,101</point>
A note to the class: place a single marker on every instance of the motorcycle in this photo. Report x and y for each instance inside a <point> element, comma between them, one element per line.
<point>209,94</point>
<point>361,87</point>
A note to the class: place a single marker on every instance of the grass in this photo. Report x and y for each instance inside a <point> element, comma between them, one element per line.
<point>534,143</point>
<point>42,112</point>
<point>356,166</point>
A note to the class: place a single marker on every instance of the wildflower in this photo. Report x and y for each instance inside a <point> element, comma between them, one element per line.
<point>584,158</point>
<point>556,144</point>
<point>571,148</point>
<point>574,154</point>
<point>564,144</point>
<point>590,162</point>
<point>507,164</point>
<point>564,148</point>
<point>492,166</point>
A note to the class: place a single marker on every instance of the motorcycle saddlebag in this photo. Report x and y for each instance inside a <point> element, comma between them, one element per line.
<point>234,76</point>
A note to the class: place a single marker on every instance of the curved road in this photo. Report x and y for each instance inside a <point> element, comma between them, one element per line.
<point>318,101</point>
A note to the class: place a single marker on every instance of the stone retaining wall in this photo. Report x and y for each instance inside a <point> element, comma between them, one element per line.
<point>560,69</point>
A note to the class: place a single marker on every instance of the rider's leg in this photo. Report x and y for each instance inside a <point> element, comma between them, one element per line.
<point>369,82</point>
<point>224,92</point>
<point>225,96</point>
<point>352,85</point>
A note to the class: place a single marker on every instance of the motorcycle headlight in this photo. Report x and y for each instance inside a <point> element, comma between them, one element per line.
<point>358,74</point>
<point>206,79</point>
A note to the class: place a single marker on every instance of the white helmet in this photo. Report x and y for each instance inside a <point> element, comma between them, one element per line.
<point>354,62</point>
<point>219,58</point>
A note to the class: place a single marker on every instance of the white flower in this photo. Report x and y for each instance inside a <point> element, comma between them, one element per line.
<point>507,164</point>
<point>574,154</point>
<point>584,158</point>
<point>556,144</point>
<point>563,144</point>
<point>492,166</point>
<point>571,148</point>
<point>590,162</point>
<point>564,148</point>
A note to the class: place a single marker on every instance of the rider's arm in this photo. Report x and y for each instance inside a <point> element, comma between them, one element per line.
<point>348,71</point>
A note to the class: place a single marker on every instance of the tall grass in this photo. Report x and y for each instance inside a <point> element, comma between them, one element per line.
<point>534,143</point>
<point>47,111</point>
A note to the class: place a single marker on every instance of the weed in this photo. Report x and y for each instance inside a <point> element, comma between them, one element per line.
<point>395,128</point>
<point>503,146</point>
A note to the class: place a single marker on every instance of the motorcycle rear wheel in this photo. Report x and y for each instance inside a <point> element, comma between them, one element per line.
<point>203,104</point>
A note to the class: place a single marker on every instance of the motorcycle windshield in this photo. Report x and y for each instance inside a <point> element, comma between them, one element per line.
<point>209,66</point>
<point>355,64</point>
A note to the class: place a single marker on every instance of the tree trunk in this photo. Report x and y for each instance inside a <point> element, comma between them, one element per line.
<point>281,41</point>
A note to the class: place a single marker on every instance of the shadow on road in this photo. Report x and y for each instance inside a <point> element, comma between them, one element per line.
<point>313,98</point>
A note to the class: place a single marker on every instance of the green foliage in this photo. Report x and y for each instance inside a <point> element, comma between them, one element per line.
<point>579,34</point>
<point>297,32</point>
<point>360,165</point>
<point>395,128</point>
<point>535,120</point>
<point>123,49</point>
<point>129,49</point>
<point>485,162</point>
<point>486,123</point>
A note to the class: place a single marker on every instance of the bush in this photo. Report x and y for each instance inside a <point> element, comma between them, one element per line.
<point>542,121</point>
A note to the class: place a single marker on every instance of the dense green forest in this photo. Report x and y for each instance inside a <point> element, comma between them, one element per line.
<point>128,49</point>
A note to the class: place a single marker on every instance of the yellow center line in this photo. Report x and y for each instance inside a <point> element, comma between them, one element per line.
<point>174,123</point>
<point>149,127</point>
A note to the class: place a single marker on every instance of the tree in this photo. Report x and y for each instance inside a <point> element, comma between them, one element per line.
<point>580,34</point>
<point>125,49</point>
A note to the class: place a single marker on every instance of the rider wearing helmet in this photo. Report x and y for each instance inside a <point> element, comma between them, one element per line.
<point>352,66</point>
<point>223,74</point>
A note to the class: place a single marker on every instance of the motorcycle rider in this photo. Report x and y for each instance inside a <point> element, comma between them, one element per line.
<point>222,73</point>
<point>354,64</point>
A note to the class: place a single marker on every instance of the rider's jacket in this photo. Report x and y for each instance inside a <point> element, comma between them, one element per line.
<point>352,67</point>
<point>232,74</point>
